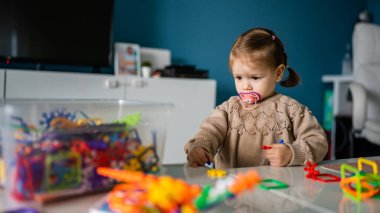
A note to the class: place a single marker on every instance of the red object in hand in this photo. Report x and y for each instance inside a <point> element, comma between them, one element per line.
<point>265,147</point>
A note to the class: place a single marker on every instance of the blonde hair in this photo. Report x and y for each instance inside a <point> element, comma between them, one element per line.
<point>260,44</point>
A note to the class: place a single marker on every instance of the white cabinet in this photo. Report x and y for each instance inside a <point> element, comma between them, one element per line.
<point>194,100</point>
<point>58,85</point>
<point>2,84</point>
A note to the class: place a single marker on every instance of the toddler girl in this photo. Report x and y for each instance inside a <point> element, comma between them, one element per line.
<point>259,126</point>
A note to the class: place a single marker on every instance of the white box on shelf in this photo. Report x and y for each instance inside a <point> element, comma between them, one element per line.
<point>159,58</point>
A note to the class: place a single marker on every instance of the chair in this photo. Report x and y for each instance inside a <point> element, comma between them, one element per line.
<point>365,88</point>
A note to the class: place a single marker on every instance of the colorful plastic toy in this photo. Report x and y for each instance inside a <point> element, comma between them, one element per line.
<point>314,174</point>
<point>209,165</point>
<point>361,185</point>
<point>2,171</point>
<point>144,191</point>
<point>64,152</point>
<point>148,193</point>
<point>226,189</point>
<point>216,173</point>
<point>266,147</point>
<point>272,184</point>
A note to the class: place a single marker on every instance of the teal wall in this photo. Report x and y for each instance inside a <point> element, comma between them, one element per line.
<point>201,32</point>
<point>374,7</point>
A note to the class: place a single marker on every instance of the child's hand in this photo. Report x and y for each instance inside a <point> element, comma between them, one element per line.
<point>279,155</point>
<point>199,157</point>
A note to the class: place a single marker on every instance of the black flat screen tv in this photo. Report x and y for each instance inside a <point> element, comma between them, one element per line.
<point>68,32</point>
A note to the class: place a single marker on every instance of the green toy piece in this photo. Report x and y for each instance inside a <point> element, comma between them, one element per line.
<point>278,184</point>
<point>207,199</point>
<point>131,120</point>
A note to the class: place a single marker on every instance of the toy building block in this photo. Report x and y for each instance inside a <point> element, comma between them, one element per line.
<point>216,173</point>
<point>314,174</point>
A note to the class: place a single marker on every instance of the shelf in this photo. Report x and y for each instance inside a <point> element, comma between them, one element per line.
<point>337,78</point>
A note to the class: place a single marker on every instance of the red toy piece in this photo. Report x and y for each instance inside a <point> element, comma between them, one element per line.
<point>314,174</point>
<point>265,147</point>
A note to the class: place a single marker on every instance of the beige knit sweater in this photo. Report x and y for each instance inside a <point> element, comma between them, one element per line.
<point>235,134</point>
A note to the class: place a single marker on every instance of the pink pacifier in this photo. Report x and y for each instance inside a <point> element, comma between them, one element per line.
<point>249,97</point>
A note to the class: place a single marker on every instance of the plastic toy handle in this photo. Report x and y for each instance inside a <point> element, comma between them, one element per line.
<point>124,175</point>
<point>368,162</point>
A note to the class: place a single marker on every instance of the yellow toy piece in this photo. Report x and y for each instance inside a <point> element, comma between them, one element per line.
<point>216,173</point>
<point>62,123</point>
<point>368,162</point>
<point>133,165</point>
<point>2,171</point>
<point>88,121</point>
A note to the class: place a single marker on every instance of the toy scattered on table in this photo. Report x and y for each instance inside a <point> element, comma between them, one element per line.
<point>2,171</point>
<point>361,185</point>
<point>148,193</point>
<point>61,157</point>
<point>22,210</point>
<point>268,184</point>
<point>266,147</point>
<point>216,173</point>
<point>209,165</point>
<point>225,189</point>
<point>314,174</point>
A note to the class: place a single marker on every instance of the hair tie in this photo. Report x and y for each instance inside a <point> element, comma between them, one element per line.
<point>273,37</point>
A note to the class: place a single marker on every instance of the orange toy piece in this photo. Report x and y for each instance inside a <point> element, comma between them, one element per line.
<point>123,175</point>
<point>244,182</point>
<point>169,193</point>
<point>142,192</point>
<point>125,198</point>
<point>367,190</point>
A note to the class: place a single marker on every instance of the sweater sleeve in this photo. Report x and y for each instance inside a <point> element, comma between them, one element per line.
<point>212,131</point>
<point>310,139</point>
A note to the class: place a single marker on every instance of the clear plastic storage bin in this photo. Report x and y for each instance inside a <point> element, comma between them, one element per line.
<point>53,147</point>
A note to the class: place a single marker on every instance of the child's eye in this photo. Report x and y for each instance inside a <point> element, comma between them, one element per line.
<point>255,78</point>
<point>238,77</point>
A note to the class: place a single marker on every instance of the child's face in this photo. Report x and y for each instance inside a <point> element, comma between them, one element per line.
<point>256,77</point>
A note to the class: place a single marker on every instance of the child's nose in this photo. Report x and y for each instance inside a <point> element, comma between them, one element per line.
<point>247,85</point>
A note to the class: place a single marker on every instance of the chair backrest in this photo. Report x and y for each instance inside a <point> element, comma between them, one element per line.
<point>366,44</point>
<point>366,64</point>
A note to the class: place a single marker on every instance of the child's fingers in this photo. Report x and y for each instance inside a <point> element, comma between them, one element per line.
<point>200,157</point>
<point>193,164</point>
<point>190,162</point>
<point>204,158</point>
<point>278,155</point>
<point>210,158</point>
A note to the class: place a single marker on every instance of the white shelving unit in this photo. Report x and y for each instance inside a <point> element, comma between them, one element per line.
<point>340,104</point>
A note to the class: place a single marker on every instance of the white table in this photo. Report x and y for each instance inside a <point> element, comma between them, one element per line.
<point>303,195</point>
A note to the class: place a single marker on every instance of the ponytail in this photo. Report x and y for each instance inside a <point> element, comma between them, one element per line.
<point>292,80</point>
